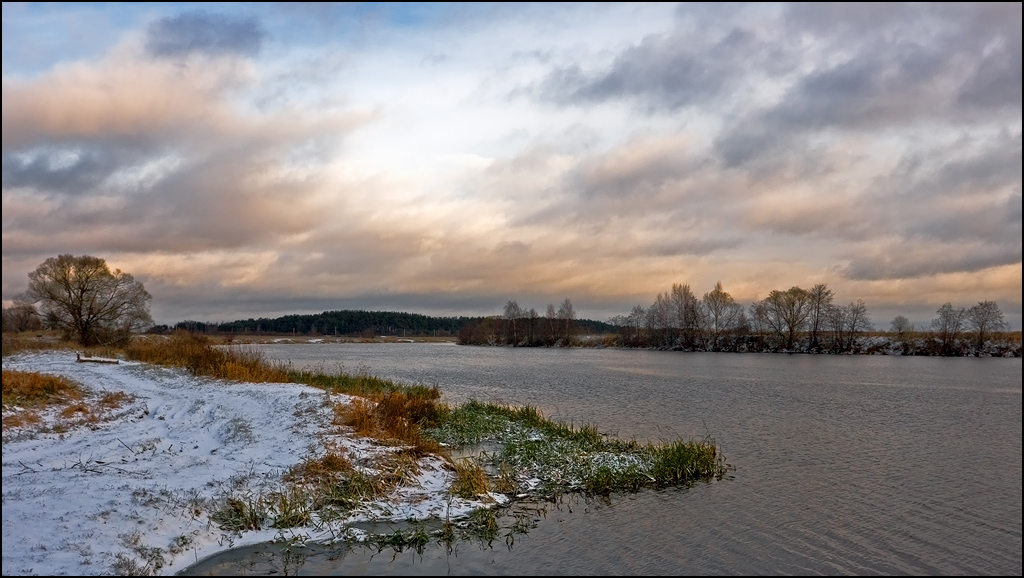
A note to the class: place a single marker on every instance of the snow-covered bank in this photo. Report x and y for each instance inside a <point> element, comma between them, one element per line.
<point>140,488</point>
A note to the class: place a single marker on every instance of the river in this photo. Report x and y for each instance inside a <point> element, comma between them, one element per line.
<point>842,464</point>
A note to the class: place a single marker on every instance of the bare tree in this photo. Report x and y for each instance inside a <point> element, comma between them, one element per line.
<point>687,314</point>
<point>635,323</point>
<point>21,316</point>
<point>857,320</point>
<point>88,301</point>
<point>985,318</point>
<point>550,315</point>
<point>820,298</point>
<point>720,312</point>
<point>567,315</point>
<point>758,318</point>
<point>786,312</point>
<point>948,325</point>
<point>512,314</point>
<point>901,326</point>
<point>531,327</point>
<point>836,317</point>
<point>660,320</point>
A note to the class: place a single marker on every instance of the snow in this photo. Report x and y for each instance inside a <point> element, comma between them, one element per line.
<point>138,486</point>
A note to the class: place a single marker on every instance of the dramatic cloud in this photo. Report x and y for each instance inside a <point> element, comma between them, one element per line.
<point>445,159</point>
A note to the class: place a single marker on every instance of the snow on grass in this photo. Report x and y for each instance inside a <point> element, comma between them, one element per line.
<point>135,493</point>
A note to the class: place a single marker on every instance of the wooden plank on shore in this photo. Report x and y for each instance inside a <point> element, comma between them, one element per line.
<point>84,359</point>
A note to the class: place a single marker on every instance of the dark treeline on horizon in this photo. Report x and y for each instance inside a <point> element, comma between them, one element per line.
<point>342,323</point>
<point>351,323</point>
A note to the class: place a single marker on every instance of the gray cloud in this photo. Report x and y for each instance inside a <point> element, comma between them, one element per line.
<point>65,172</point>
<point>207,33</point>
<point>908,260</point>
<point>683,246</point>
<point>996,223</point>
<point>966,167</point>
<point>200,205</point>
<point>663,71</point>
<point>848,68</point>
<point>996,81</point>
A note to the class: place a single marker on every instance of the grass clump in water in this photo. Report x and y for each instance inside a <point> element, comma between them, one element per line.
<point>470,479</point>
<point>563,457</point>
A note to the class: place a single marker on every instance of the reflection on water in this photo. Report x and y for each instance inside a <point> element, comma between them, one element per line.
<point>844,464</point>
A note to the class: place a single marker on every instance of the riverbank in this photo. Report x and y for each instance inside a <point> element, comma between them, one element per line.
<point>137,489</point>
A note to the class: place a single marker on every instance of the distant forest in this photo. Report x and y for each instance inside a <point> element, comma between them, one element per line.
<point>355,323</point>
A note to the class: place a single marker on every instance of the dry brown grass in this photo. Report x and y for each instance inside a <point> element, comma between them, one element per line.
<point>25,418</point>
<point>34,341</point>
<point>32,389</point>
<point>325,469</point>
<point>48,340</point>
<point>198,355</point>
<point>31,392</point>
<point>470,479</point>
<point>114,399</point>
<point>396,416</point>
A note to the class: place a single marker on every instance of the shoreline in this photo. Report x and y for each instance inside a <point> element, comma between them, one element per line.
<point>921,347</point>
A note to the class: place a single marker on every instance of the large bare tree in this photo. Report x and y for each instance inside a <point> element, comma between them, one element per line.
<point>857,321</point>
<point>84,298</point>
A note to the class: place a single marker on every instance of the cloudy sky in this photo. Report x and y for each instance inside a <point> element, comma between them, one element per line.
<point>258,159</point>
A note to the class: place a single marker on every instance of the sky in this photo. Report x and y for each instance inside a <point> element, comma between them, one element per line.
<point>74,502</point>
<point>248,160</point>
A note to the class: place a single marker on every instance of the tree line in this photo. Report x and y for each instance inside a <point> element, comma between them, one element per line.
<point>797,319</point>
<point>360,323</point>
